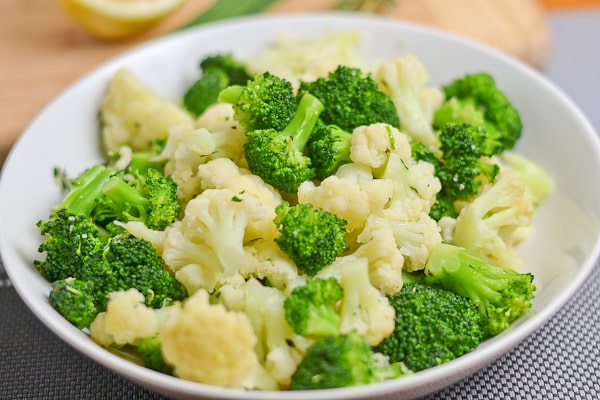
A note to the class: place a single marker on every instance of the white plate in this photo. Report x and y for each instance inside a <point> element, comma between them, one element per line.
<point>560,252</point>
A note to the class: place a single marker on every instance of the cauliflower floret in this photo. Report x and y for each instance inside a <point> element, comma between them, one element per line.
<point>351,193</point>
<point>265,260</point>
<point>415,188</point>
<point>298,58</point>
<point>208,242</point>
<point>495,221</point>
<point>372,144</point>
<point>279,349</point>
<point>209,344</point>
<point>228,134</point>
<point>185,150</point>
<point>126,320</point>
<point>134,115</point>
<point>222,173</point>
<point>364,308</point>
<point>404,79</point>
<point>415,239</point>
<point>385,261</point>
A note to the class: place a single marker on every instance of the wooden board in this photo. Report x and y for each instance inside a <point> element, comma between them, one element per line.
<point>42,51</point>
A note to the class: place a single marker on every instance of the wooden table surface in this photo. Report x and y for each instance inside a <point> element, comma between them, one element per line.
<point>42,51</point>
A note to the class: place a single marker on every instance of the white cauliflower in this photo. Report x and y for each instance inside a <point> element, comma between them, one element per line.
<point>404,79</point>
<point>497,219</point>
<point>351,194</point>
<point>222,173</point>
<point>385,261</point>
<point>207,243</point>
<point>372,144</point>
<point>126,320</point>
<point>186,149</point>
<point>364,308</point>
<point>134,115</point>
<point>279,349</point>
<point>209,344</point>
<point>415,239</point>
<point>298,58</point>
<point>228,134</point>
<point>265,260</point>
<point>415,188</point>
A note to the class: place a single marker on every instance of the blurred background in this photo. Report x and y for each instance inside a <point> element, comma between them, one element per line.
<point>47,45</point>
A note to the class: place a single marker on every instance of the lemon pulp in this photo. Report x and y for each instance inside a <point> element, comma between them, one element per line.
<point>118,19</point>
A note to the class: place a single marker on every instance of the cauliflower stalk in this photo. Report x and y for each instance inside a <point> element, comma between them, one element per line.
<point>364,308</point>
<point>405,79</point>
<point>496,220</point>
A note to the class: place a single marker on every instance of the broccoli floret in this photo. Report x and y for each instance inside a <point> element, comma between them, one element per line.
<point>310,309</point>
<point>218,72</point>
<point>134,263</point>
<point>460,165</point>
<point>341,361</point>
<point>501,294</point>
<point>433,326</point>
<point>475,99</point>
<point>141,161</point>
<point>204,92</point>
<point>311,237</point>
<point>328,149</point>
<point>351,98</point>
<point>84,191</point>
<point>235,69</point>
<point>264,102</point>
<point>278,156</point>
<point>74,299</point>
<point>149,197</point>
<point>71,240</point>
<point>151,354</point>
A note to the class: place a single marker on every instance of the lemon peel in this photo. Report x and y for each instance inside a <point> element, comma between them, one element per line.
<point>115,20</point>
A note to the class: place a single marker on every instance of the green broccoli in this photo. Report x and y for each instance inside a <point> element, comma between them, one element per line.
<point>343,360</point>
<point>311,237</point>
<point>227,62</point>
<point>460,165</point>
<point>150,352</point>
<point>141,161</point>
<point>264,102</point>
<point>134,263</point>
<point>75,300</point>
<point>351,98</point>
<point>501,294</point>
<point>433,326</point>
<point>79,251</point>
<point>475,99</point>
<point>149,197</point>
<point>328,149</point>
<point>218,72</point>
<point>310,309</point>
<point>278,156</point>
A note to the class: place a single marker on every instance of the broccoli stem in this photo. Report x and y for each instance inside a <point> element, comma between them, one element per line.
<point>501,294</point>
<point>230,94</point>
<point>120,192</point>
<point>87,187</point>
<point>302,124</point>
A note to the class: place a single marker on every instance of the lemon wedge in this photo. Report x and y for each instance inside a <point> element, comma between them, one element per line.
<point>118,19</point>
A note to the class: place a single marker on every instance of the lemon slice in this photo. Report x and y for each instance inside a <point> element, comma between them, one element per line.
<point>118,19</point>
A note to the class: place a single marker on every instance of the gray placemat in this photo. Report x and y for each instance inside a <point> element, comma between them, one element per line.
<point>559,361</point>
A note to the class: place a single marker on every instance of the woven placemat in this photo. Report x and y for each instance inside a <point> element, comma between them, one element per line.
<point>559,361</point>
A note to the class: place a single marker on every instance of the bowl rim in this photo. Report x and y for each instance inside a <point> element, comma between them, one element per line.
<point>420,383</point>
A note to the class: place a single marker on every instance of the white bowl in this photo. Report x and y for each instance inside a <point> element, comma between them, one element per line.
<point>561,251</point>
